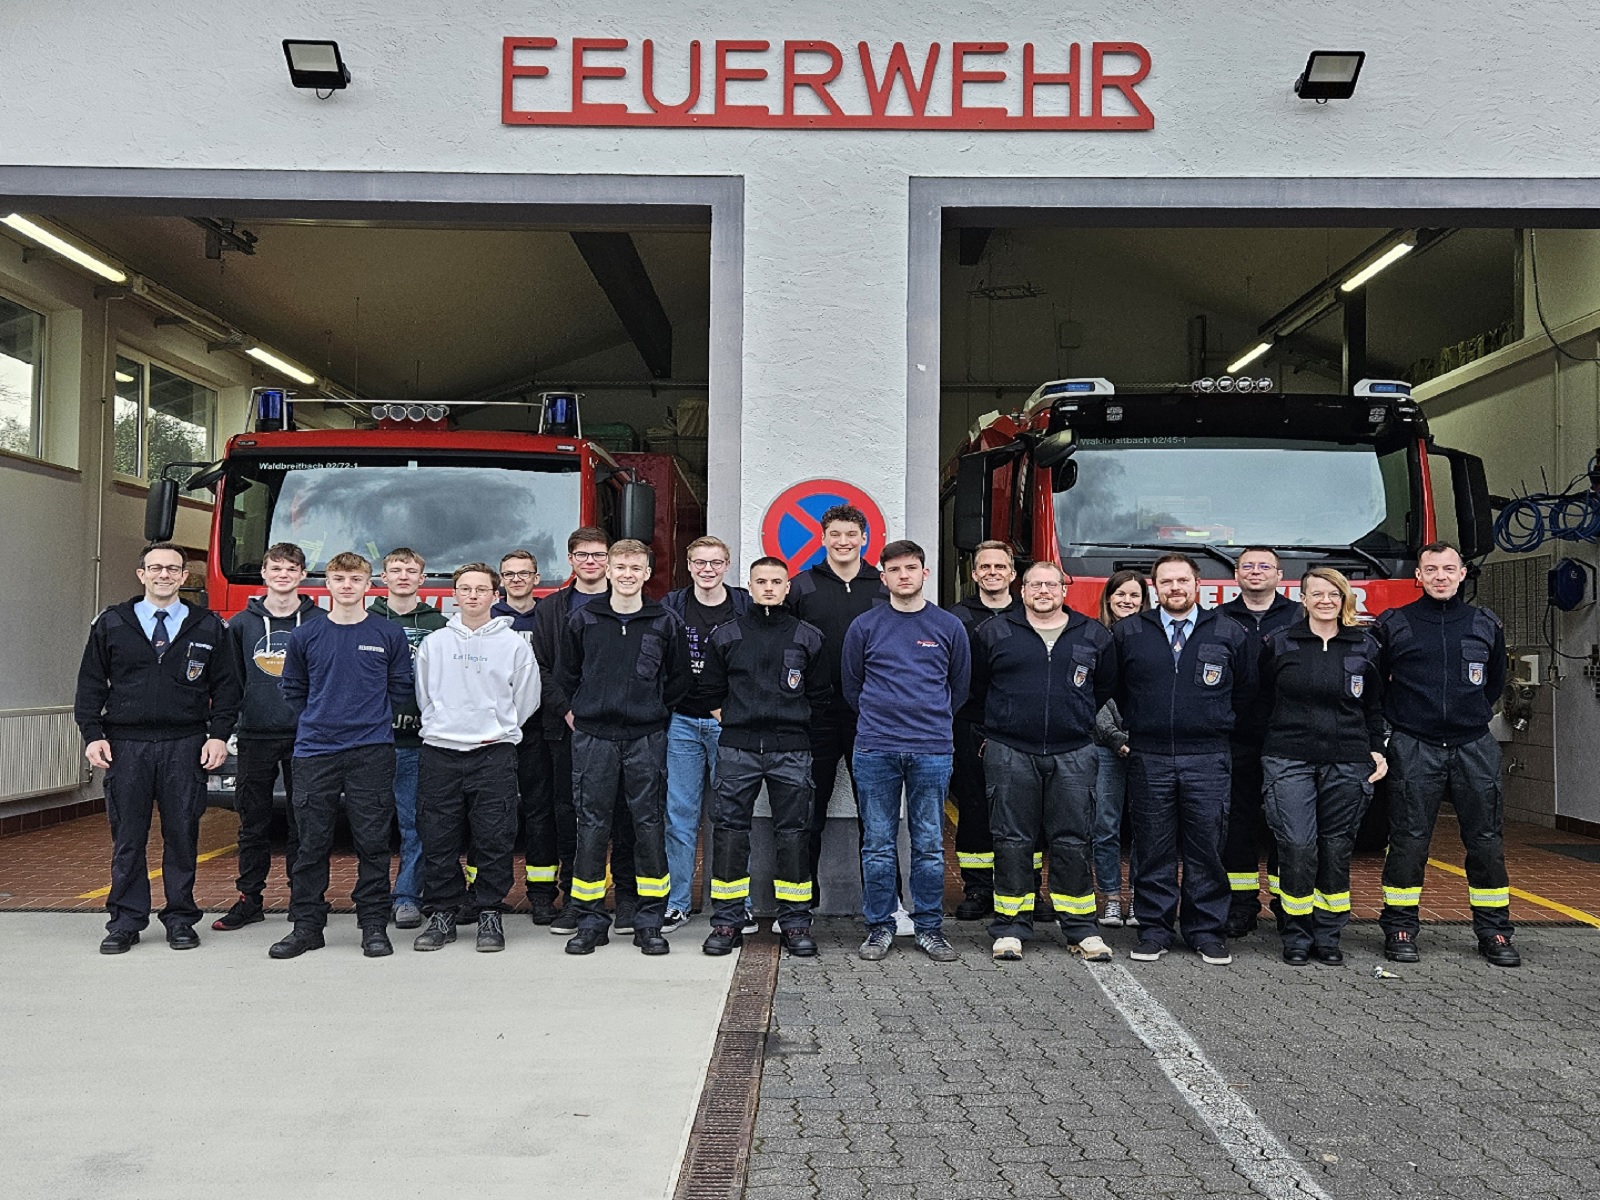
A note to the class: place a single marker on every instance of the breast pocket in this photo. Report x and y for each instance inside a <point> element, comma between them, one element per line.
<point>651,647</point>
<point>1355,676</point>
<point>195,661</point>
<point>1211,668</point>
<point>794,671</point>
<point>1474,661</point>
<point>1084,659</point>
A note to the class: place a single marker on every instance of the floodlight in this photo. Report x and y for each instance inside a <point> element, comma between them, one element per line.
<point>1330,75</point>
<point>316,65</point>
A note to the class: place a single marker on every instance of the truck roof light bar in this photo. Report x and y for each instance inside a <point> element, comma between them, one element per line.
<point>1382,387</point>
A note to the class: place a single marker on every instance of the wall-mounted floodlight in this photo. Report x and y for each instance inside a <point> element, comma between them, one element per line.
<point>316,65</point>
<point>57,244</point>
<point>281,365</point>
<point>1330,75</point>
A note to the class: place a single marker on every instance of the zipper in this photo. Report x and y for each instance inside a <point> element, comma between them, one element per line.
<point>1444,653</point>
<point>1049,684</point>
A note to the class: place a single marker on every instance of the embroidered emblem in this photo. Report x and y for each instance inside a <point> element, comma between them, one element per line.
<point>195,669</point>
<point>794,680</point>
<point>1080,675</point>
<point>1211,674</point>
<point>1475,674</point>
<point>1358,684</point>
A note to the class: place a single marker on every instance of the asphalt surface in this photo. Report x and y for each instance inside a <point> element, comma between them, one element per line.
<point>912,1079</point>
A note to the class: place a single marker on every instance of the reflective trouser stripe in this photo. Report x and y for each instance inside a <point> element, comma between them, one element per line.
<point>1295,906</point>
<point>1335,902</point>
<point>1238,881</point>
<point>1404,897</point>
<point>1038,860</point>
<point>1274,886</point>
<point>1011,906</point>
<point>472,874</point>
<point>791,892</point>
<point>585,889</point>
<point>541,874</point>
<point>969,860</point>
<point>1488,897</point>
<point>722,889</point>
<point>1075,906</point>
<point>652,889</point>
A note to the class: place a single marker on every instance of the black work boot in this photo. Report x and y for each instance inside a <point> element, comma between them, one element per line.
<point>1497,948</point>
<point>978,906</point>
<point>1401,946</point>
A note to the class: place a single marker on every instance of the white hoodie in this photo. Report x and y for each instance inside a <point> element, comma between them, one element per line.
<point>475,687</point>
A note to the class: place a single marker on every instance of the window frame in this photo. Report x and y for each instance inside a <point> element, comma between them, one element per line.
<point>147,363</point>
<point>36,412</point>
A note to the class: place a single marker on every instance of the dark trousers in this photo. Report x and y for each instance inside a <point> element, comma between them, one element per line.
<point>833,740</point>
<point>566,823</point>
<point>1421,777</point>
<point>536,815</point>
<point>607,775</point>
<point>364,777</point>
<point>737,782</point>
<point>146,777</point>
<point>1247,830</point>
<point>974,843</point>
<point>462,793</point>
<point>1048,795</point>
<point>258,762</point>
<point>1179,806</point>
<point>1314,810</point>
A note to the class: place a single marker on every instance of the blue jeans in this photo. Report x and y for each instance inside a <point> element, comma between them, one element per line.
<point>691,764</point>
<point>1110,791</point>
<point>880,779</point>
<point>408,879</point>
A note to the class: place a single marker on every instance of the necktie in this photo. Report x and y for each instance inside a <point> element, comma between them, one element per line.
<point>159,638</point>
<point>1180,630</point>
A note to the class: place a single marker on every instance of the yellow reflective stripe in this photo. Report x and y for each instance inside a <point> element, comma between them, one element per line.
<point>1295,906</point>
<point>969,861</point>
<point>1273,885</point>
<point>723,889</point>
<point>1332,901</point>
<point>654,888</point>
<point>1076,906</point>
<point>1038,860</point>
<point>794,893</point>
<point>1402,897</point>
<point>1240,882</point>
<point>472,873</point>
<point>1011,906</point>
<point>1488,897</point>
<point>586,889</point>
<point>541,874</point>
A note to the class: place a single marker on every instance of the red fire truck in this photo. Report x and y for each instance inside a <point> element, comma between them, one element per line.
<point>1100,480</point>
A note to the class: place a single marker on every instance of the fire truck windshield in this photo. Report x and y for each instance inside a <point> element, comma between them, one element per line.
<point>451,509</point>
<point>1233,492</point>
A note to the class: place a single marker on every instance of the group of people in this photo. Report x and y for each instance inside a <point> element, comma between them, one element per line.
<point>586,727</point>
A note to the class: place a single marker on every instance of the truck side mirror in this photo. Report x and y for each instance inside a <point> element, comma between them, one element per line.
<point>974,503</point>
<point>1469,487</point>
<point>160,510</point>
<point>1055,449</point>
<point>637,513</point>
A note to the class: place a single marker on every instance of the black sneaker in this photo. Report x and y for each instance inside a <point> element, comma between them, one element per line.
<point>119,941</point>
<point>878,944</point>
<point>799,942</point>
<point>566,921</point>
<point>1401,947</point>
<point>491,933</point>
<point>440,930</point>
<point>375,942</point>
<point>246,910</point>
<point>543,912</point>
<point>1240,922</point>
<point>976,907</point>
<point>297,943</point>
<point>651,942</point>
<point>585,940</point>
<point>721,940</point>
<point>1499,951</point>
<point>627,910</point>
<point>933,944</point>
<point>676,918</point>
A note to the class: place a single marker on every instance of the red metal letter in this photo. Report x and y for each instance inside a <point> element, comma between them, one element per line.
<point>1032,79</point>
<point>898,67</point>
<point>648,72</point>
<point>581,71</point>
<point>960,77</point>
<point>817,81</point>
<point>511,70</point>
<point>724,73</point>
<point>1145,119</point>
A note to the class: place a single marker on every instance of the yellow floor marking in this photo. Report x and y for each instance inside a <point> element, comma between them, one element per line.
<point>101,893</point>
<point>1577,914</point>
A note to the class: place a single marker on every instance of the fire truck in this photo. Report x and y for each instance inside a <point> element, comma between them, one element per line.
<point>410,476</point>
<point>1101,480</point>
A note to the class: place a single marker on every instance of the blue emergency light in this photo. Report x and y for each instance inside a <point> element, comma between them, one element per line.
<point>558,414</point>
<point>273,409</point>
<point>1382,387</point>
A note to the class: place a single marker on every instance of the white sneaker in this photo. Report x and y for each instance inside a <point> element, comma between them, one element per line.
<point>751,925</point>
<point>903,925</point>
<point>1007,949</point>
<point>754,926</point>
<point>1092,949</point>
<point>1111,914</point>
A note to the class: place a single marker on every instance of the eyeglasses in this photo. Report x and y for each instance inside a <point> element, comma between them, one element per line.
<point>1258,566</point>
<point>1043,585</point>
<point>591,555</point>
<point>510,575</point>
<point>474,591</point>
<point>158,570</point>
<point>707,564</point>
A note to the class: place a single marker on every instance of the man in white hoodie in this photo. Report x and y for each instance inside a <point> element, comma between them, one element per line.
<point>477,685</point>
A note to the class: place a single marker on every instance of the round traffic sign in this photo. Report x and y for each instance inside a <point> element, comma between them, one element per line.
<point>792,528</point>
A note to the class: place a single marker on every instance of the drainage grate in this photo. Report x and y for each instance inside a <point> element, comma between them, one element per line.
<point>719,1144</point>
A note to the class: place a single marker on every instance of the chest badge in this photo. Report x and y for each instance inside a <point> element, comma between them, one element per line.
<point>1211,674</point>
<point>794,680</point>
<point>1358,684</point>
<point>1080,675</point>
<point>194,670</point>
<point>1475,674</point>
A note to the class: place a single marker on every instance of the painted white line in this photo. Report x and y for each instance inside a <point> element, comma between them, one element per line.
<point>1256,1151</point>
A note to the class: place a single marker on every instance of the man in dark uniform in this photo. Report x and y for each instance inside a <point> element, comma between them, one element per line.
<point>1264,610</point>
<point>1445,662</point>
<point>994,571</point>
<point>158,694</point>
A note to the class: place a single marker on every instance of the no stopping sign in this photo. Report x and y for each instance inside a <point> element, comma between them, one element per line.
<point>792,528</point>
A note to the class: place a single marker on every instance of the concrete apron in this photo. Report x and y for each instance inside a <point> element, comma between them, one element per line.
<point>218,1071</point>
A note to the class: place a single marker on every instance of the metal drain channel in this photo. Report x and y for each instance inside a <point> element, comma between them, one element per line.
<point>719,1143</point>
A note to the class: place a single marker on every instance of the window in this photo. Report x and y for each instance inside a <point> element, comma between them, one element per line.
<point>21,360</point>
<point>160,418</point>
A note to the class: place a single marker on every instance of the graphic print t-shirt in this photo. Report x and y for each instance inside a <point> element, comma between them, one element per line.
<point>702,621</point>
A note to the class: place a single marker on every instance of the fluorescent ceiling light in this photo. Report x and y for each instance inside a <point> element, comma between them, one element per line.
<point>1390,256</point>
<point>1248,357</point>
<point>282,366</point>
<point>64,248</point>
<point>124,377</point>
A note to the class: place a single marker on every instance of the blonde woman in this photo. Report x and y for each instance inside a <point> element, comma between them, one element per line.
<point>1323,752</point>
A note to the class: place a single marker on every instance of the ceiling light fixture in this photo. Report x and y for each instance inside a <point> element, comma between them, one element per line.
<point>281,365</point>
<point>124,377</point>
<point>1389,257</point>
<point>1330,75</point>
<point>59,245</point>
<point>316,65</point>
<point>1248,357</point>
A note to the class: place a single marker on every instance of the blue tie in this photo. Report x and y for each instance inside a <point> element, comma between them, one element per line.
<point>1180,631</point>
<point>158,637</point>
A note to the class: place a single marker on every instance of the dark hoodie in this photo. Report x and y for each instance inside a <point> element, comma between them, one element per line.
<point>621,673</point>
<point>258,641</point>
<point>819,597</point>
<point>1445,666</point>
<point>417,624</point>
<point>974,612</point>
<point>763,671</point>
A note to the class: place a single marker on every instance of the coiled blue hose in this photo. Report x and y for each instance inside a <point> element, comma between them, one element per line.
<point>1527,522</point>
